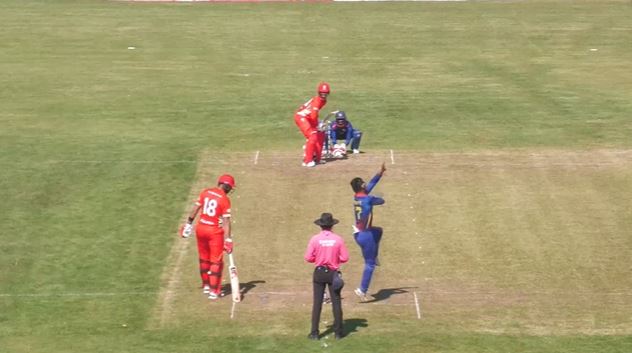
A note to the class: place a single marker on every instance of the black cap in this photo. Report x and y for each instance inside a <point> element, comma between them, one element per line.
<point>326,220</point>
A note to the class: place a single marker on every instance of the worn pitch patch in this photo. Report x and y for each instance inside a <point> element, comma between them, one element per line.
<point>466,233</point>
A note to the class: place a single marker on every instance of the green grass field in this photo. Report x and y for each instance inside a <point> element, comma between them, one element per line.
<point>505,126</point>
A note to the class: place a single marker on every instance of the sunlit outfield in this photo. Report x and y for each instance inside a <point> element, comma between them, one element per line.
<point>506,128</point>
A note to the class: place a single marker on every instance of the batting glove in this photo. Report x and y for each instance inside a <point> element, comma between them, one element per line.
<point>228,245</point>
<point>186,230</point>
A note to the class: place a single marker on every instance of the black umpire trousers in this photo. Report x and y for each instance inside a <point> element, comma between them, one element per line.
<point>325,277</point>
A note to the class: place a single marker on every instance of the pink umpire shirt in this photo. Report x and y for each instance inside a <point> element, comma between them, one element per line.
<point>327,249</point>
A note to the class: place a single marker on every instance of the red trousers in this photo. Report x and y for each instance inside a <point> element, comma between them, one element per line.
<point>315,139</point>
<point>210,244</point>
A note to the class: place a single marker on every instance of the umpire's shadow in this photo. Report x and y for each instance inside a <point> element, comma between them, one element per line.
<point>386,293</point>
<point>348,326</point>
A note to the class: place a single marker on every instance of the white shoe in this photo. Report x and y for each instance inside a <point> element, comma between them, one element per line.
<point>309,165</point>
<point>360,294</point>
<point>213,296</point>
<point>206,290</point>
<point>356,151</point>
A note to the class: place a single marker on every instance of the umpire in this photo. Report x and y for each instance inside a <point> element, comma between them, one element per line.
<point>327,251</point>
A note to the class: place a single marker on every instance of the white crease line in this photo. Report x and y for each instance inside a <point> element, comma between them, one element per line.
<point>166,302</point>
<point>392,157</point>
<point>288,293</point>
<point>417,305</point>
<point>95,294</point>
<point>87,161</point>
<point>172,276</point>
<point>388,0</point>
<point>256,157</point>
<point>171,273</point>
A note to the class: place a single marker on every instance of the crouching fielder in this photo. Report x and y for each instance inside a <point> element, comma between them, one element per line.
<point>341,129</point>
<point>213,233</point>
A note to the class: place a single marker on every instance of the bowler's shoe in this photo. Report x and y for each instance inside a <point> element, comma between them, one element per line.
<point>360,294</point>
<point>313,336</point>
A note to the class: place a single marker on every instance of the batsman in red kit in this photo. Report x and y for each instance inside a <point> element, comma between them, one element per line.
<point>306,118</point>
<point>213,233</point>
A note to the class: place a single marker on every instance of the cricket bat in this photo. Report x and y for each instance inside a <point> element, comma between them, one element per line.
<point>234,279</point>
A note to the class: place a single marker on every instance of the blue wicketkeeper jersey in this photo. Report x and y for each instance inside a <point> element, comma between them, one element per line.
<point>337,132</point>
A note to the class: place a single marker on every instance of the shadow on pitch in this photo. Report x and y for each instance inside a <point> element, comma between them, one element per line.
<point>244,287</point>
<point>349,326</point>
<point>386,293</point>
<point>330,159</point>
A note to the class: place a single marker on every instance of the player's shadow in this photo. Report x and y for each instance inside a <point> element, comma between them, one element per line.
<point>386,293</point>
<point>244,287</point>
<point>349,326</point>
<point>330,159</point>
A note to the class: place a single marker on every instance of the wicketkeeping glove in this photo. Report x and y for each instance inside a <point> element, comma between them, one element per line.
<point>186,230</point>
<point>228,245</point>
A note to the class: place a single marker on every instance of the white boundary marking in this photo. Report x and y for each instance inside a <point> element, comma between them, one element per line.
<point>417,306</point>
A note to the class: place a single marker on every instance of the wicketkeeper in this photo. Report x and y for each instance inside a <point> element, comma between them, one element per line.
<point>213,233</point>
<point>342,129</point>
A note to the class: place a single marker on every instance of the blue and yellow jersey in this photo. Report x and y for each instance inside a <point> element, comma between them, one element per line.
<point>363,206</point>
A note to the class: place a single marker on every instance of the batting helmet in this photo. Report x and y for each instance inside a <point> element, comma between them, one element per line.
<point>323,87</point>
<point>341,115</point>
<point>226,179</point>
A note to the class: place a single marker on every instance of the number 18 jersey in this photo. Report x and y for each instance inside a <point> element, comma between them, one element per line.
<point>215,204</point>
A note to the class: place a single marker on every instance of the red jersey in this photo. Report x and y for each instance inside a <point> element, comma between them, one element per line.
<point>215,205</point>
<point>311,108</point>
